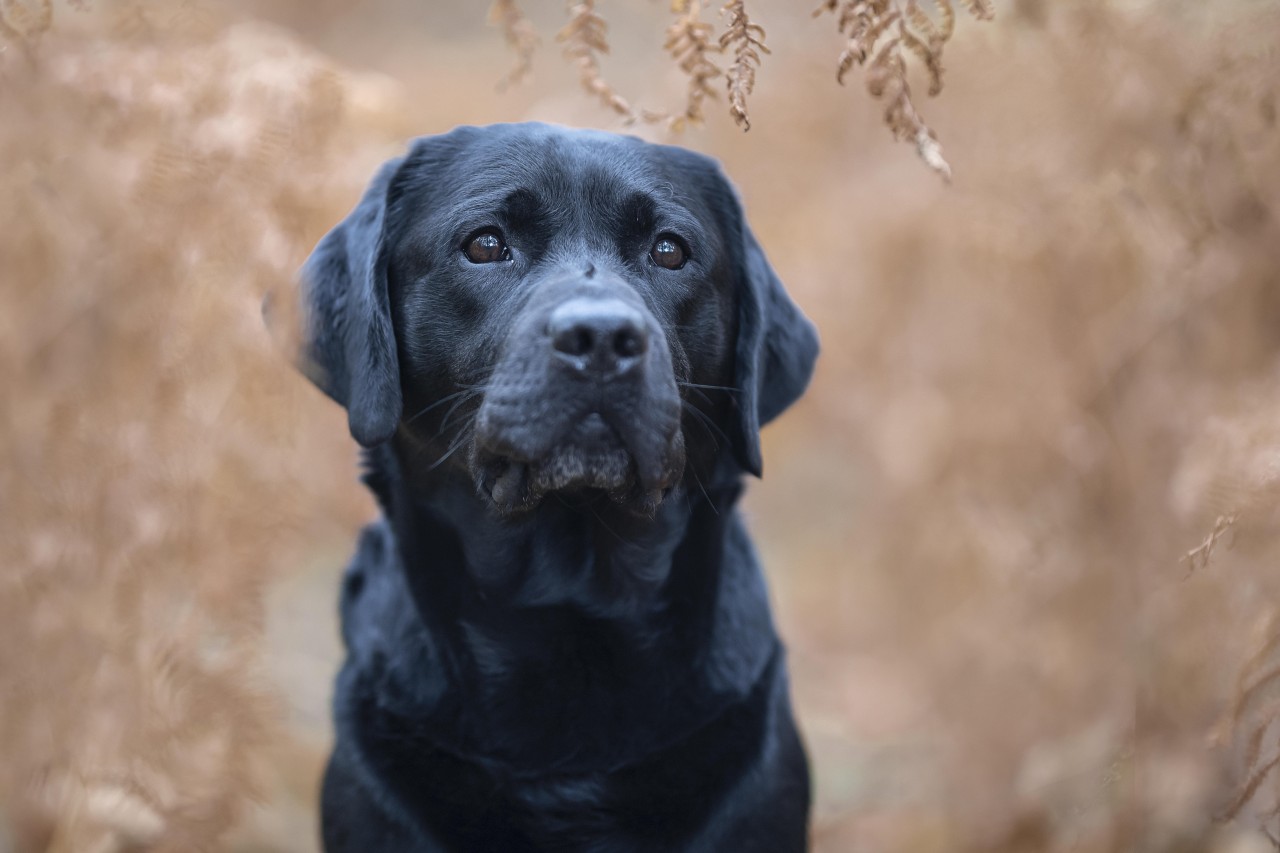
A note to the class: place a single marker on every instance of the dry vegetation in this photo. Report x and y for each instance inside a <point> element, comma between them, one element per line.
<point>1023,533</point>
<point>886,32</point>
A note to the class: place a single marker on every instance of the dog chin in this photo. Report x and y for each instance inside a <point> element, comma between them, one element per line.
<point>592,462</point>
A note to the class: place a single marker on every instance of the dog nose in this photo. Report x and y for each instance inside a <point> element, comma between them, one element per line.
<point>603,337</point>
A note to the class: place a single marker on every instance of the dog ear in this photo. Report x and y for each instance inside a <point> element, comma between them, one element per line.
<point>348,345</point>
<point>776,350</point>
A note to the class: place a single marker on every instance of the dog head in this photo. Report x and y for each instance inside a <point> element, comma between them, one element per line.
<point>554,311</point>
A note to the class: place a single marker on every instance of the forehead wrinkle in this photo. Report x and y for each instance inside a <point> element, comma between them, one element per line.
<point>491,171</point>
<point>489,200</point>
<point>577,183</point>
<point>564,172</point>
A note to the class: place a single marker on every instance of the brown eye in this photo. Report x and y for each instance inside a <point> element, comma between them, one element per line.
<point>668,252</point>
<point>486,248</point>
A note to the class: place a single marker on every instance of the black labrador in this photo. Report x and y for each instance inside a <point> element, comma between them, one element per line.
<point>558,348</point>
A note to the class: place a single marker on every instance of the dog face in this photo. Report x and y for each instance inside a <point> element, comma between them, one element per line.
<point>554,311</point>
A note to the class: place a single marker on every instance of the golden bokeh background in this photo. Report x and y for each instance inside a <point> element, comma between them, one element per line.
<point>1042,388</point>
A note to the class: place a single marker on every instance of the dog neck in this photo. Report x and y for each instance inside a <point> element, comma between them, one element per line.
<point>570,625</point>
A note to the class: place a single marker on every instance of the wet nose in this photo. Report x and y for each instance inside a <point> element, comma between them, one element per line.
<point>600,337</point>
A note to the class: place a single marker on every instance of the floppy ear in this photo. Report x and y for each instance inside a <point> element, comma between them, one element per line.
<point>776,350</point>
<point>349,346</point>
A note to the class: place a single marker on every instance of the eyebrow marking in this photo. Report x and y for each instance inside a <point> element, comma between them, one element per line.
<point>639,211</point>
<point>522,206</point>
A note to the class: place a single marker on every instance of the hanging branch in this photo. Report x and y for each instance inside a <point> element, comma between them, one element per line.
<point>747,40</point>
<point>690,45</point>
<point>1249,709</point>
<point>886,31</point>
<point>584,39</point>
<point>520,36</point>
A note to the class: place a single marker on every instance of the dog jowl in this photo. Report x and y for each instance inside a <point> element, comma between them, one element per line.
<point>558,348</point>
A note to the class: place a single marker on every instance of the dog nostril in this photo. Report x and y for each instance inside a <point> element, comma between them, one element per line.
<point>603,337</point>
<point>575,341</point>
<point>629,342</point>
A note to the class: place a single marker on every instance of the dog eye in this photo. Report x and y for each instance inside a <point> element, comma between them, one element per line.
<point>668,252</point>
<point>486,248</point>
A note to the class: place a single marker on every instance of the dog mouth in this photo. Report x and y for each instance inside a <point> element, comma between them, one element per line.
<point>591,460</point>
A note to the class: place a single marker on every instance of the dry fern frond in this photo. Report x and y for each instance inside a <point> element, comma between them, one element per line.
<point>928,39</point>
<point>584,39</point>
<point>747,40</point>
<point>887,80</point>
<point>863,27</point>
<point>1250,787</point>
<point>930,59</point>
<point>520,35</point>
<point>888,30</point>
<point>1197,558</point>
<point>934,34</point>
<point>1259,675</point>
<point>689,43</point>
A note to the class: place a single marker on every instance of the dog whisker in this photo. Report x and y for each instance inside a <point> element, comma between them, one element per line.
<point>592,510</point>
<point>707,423</point>
<point>702,488</point>
<point>444,423</point>
<point>709,387</point>
<point>438,403</point>
<point>462,440</point>
<point>702,395</point>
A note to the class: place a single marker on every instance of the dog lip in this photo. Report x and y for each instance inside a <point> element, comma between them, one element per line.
<point>591,457</point>
<point>591,433</point>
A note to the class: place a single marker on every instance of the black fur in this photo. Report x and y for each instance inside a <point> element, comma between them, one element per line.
<point>559,636</point>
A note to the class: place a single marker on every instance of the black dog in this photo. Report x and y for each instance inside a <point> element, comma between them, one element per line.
<point>558,348</point>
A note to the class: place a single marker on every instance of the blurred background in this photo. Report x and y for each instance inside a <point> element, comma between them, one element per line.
<point>1022,532</point>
